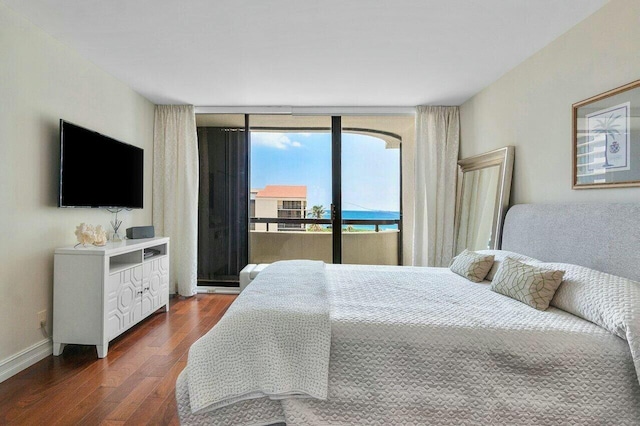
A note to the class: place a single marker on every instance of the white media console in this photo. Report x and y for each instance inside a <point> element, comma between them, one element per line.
<point>100,292</point>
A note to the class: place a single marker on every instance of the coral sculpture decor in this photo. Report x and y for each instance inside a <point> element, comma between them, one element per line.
<point>88,234</point>
<point>100,236</point>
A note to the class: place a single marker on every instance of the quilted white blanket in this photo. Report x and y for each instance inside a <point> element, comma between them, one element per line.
<point>272,342</point>
<point>414,346</point>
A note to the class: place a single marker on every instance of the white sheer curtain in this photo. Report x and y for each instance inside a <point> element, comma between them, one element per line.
<point>175,191</point>
<point>437,141</point>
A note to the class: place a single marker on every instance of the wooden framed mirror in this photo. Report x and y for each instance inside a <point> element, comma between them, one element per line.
<point>484,187</point>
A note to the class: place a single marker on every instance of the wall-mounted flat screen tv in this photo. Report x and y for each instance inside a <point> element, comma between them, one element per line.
<point>98,171</point>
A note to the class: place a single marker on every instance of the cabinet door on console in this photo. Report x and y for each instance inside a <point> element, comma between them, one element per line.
<point>163,272</point>
<point>123,297</point>
<point>156,281</point>
<point>147,294</point>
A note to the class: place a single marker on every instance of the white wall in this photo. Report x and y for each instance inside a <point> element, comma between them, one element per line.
<point>266,207</point>
<point>530,106</point>
<point>41,81</point>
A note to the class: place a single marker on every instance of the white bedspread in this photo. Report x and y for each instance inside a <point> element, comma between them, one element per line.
<point>425,346</point>
<point>272,342</point>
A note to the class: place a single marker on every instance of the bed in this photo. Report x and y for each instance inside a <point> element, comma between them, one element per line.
<point>315,344</point>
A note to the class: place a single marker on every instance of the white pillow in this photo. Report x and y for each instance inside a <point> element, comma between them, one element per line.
<point>500,255</point>
<point>607,300</point>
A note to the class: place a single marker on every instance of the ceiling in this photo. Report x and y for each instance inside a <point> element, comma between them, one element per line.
<point>306,52</point>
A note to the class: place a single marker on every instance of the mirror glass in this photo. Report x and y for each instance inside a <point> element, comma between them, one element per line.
<point>484,186</point>
<point>478,208</point>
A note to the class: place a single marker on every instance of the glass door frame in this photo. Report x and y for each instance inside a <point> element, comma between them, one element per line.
<point>336,185</point>
<point>336,220</point>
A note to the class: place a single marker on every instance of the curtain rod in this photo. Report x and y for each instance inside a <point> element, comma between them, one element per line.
<point>291,110</point>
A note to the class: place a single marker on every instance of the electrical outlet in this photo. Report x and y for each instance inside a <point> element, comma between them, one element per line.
<point>42,318</point>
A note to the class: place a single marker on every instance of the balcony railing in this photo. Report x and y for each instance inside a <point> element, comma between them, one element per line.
<point>375,246</point>
<point>309,221</point>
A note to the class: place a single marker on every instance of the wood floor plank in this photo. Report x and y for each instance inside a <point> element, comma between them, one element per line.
<point>133,385</point>
<point>98,414</point>
<point>172,343</point>
<point>127,365</point>
<point>167,385</point>
<point>167,414</point>
<point>52,408</point>
<point>83,407</point>
<point>141,415</point>
<point>49,396</point>
<point>111,423</point>
<point>128,405</point>
<point>158,365</point>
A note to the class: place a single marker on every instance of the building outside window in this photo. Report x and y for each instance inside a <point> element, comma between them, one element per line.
<point>280,201</point>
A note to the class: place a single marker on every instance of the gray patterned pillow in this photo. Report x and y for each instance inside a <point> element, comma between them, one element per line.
<point>471,265</point>
<point>500,255</point>
<point>529,284</point>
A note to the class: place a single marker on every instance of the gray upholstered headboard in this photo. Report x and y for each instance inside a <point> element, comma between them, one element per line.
<point>605,237</point>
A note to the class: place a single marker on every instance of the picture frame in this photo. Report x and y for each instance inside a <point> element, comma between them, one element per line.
<point>606,139</point>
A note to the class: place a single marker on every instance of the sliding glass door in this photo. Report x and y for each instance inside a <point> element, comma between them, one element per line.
<point>326,188</point>
<point>278,187</point>
<point>371,189</point>
<point>223,198</point>
<point>291,193</point>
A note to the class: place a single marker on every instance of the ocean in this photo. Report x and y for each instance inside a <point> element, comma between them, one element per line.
<point>368,214</point>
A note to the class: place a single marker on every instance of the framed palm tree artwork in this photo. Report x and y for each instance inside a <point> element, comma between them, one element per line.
<point>606,139</point>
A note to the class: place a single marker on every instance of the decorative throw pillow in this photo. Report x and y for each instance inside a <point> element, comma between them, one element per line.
<point>471,265</point>
<point>501,255</point>
<point>529,284</point>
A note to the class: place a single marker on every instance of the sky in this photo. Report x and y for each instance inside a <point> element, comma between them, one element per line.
<point>370,173</point>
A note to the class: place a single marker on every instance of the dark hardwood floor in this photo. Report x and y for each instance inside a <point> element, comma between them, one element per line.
<point>133,385</point>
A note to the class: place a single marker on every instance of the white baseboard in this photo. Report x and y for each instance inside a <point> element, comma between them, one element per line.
<point>25,358</point>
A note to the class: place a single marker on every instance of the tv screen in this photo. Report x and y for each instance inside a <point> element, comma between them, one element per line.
<point>98,171</point>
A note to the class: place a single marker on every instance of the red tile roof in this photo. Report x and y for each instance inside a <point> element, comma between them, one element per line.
<point>283,191</point>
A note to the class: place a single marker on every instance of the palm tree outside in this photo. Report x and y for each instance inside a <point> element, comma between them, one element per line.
<point>317,212</point>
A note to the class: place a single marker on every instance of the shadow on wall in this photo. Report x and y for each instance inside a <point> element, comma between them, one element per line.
<point>50,162</point>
